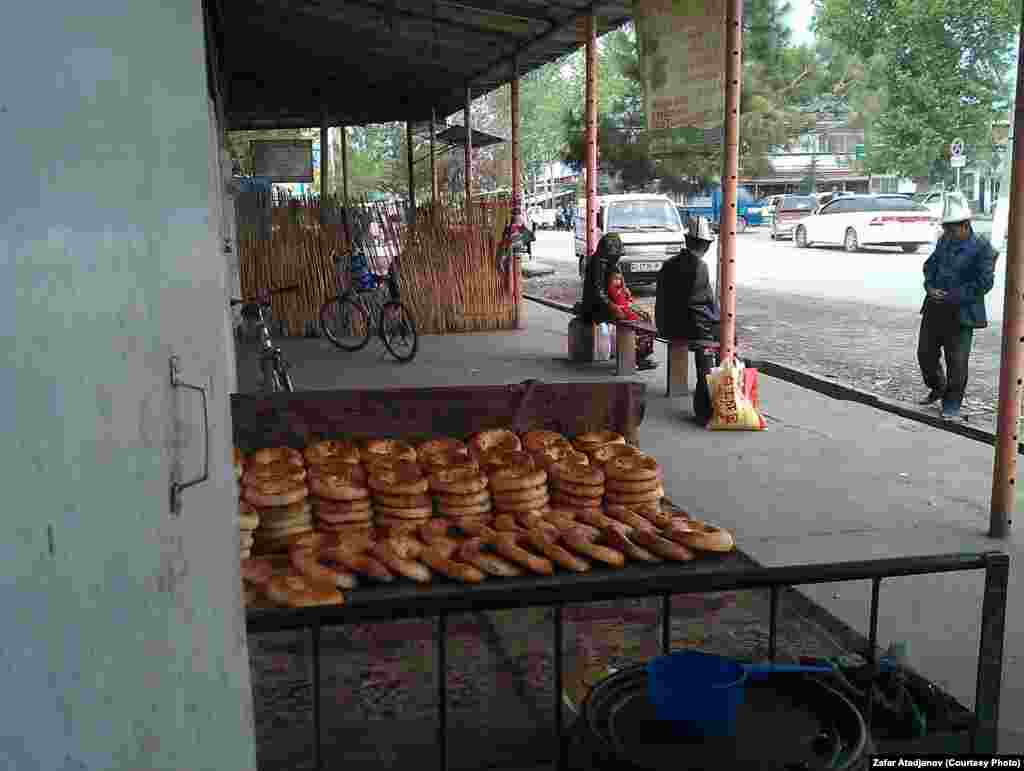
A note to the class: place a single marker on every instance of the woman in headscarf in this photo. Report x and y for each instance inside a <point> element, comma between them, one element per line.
<point>598,308</point>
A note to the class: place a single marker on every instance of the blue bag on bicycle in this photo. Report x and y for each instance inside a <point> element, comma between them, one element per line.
<point>362,277</point>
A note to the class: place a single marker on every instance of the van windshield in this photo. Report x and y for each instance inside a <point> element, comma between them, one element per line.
<point>642,215</point>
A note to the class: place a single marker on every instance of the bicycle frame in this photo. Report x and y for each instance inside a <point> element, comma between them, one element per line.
<point>273,364</point>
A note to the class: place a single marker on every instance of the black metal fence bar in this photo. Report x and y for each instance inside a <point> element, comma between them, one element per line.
<point>876,587</point>
<point>559,645</point>
<point>317,732</point>
<point>389,603</point>
<point>773,620</point>
<point>666,623</point>
<point>984,735</point>
<point>990,656</point>
<point>441,649</point>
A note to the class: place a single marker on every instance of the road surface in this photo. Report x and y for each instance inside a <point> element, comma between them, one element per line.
<point>851,317</point>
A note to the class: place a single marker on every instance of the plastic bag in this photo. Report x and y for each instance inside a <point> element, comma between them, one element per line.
<point>733,398</point>
<point>602,342</point>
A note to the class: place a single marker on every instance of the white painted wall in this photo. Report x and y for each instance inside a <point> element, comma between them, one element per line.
<point>123,642</point>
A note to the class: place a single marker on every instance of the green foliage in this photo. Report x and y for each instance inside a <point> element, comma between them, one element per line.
<point>929,70</point>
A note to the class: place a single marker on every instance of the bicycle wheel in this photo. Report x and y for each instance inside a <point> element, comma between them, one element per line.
<point>398,331</point>
<point>268,369</point>
<point>346,323</point>
<point>284,379</point>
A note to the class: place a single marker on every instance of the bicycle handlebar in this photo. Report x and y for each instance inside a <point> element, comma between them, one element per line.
<point>292,288</point>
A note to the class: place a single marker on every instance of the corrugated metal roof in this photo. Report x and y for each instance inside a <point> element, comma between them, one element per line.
<point>285,62</point>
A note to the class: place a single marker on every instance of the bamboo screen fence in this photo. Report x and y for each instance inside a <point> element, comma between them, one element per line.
<point>450,274</point>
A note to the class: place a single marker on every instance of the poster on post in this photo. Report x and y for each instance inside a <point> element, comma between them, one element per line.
<point>283,160</point>
<point>682,57</point>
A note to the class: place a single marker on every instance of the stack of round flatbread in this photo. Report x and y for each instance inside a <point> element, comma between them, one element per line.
<point>442,453</point>
<point>589,441</point>
<point>576,484</point>
<point>337,481</point>
<point>634,481</point>
<point>461,493</point>
<point>248,521</point>
<point>401,500</point>
<point>519,488</point>
<point>274,482</point>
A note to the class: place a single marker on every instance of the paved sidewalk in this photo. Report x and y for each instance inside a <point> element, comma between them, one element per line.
<point>828,481</point>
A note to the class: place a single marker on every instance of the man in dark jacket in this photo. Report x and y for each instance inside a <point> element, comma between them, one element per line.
<point>957,276</point>
<point>686,307</point>
<point>597,308</point>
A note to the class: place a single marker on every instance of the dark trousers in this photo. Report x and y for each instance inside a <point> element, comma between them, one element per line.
<point>703,361</point>
<point>942,333</point>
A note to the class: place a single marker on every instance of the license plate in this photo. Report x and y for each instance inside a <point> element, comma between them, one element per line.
<point>645,267</point>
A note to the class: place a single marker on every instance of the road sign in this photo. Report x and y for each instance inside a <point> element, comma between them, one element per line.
<point>956,147</point>
<point>958,161</point>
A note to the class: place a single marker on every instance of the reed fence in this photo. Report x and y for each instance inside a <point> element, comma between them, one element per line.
<point>450,270</point>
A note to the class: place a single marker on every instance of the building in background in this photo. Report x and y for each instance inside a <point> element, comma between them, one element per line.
<point>822,159</point>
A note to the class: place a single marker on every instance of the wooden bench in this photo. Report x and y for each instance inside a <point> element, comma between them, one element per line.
<point>678,376</point>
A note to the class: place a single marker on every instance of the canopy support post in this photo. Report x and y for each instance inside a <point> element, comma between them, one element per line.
<point>1011,370</point>
<point>590,140</point>
<point>730,174</point>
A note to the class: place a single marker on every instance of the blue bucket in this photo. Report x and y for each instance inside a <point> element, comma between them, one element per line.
<point>698,692</point>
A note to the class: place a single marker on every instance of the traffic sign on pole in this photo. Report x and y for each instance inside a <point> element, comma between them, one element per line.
<point>956,147</point>
<point>958,161</point>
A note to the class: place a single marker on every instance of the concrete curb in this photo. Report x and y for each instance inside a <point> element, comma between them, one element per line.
<point>550,303</point>
<point>843,392</point>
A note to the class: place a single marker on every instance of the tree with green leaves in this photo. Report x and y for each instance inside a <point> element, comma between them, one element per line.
<point>931,71</point>
<point>778,78</point>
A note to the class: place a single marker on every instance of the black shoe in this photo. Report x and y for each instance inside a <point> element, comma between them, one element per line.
<point>933,396</point>
<point>646,364</point>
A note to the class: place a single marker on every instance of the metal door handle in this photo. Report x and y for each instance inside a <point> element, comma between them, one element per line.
<point>177,487</point>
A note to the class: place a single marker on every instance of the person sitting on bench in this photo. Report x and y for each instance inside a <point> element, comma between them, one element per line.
<point>597,307</point>
<point>686,309</point>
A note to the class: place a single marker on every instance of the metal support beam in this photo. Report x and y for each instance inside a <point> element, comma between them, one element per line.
<point>412,176</point>
<point>590,140</point>
<point>469,152</point>
<point>1011,370</point>
<point>344,165</point>
<point>325,166</point>
<point>433,159</point>
<point>730,174</point>
<point>516,201</point>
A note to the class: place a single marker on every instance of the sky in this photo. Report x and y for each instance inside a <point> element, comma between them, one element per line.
<point>800,20</point>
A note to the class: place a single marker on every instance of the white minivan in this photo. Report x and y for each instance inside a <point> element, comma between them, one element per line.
<point>648,225</point>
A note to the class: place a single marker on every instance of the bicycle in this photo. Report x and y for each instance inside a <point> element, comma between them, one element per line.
<point>273,364</point>
<point>348,319</point>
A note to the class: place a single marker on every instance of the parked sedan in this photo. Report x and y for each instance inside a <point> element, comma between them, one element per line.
<point>854,221</point>
<point>788,210</point>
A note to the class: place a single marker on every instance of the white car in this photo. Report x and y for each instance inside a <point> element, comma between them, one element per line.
<point>855,221</point>
<point>542,218</point>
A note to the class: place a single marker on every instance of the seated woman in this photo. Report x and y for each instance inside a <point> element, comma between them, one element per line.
<point>597,306</point>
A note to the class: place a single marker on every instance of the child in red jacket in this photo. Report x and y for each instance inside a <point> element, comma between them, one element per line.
<point>622,300</point>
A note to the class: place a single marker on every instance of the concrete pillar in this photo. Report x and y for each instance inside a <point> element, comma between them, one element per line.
<point>124,643</point>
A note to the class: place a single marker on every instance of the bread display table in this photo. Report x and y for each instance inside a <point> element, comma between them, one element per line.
<point>299,419</point>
